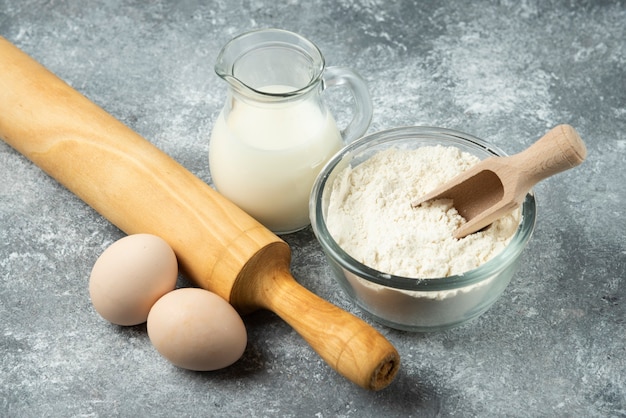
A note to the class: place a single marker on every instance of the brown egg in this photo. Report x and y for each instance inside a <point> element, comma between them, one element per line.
<point>197,330</point>
<point>130,276</point>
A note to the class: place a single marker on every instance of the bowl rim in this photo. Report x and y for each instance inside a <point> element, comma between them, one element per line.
<point>483,272</point>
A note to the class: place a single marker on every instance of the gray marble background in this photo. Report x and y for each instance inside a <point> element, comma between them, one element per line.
<point>506,71</point>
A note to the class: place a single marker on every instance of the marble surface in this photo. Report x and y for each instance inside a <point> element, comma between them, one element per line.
<point>506,71</point>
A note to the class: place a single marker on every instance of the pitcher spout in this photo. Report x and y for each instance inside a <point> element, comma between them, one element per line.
<point>271,62</point>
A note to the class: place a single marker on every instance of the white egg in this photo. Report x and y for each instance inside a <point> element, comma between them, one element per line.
<point>130,276</point>
<point>197,330</point>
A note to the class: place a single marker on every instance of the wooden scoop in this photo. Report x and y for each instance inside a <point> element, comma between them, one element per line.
<point>497,185</point>
<point>141,189</point>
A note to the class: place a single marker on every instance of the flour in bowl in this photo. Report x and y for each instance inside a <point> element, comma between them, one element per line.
<point>371,217</point>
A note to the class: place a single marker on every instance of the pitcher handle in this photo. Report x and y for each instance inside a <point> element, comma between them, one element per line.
<point>341,76</point>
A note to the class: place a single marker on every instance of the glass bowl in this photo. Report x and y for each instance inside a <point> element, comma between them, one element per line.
<point>417,304</point>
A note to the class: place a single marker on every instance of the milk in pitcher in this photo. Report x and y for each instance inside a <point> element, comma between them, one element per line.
<point>265,158</point>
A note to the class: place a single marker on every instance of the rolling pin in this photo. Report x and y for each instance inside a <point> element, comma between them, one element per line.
<point>140,189</point>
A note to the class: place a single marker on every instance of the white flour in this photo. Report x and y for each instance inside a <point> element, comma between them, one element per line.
<point>371,218</point>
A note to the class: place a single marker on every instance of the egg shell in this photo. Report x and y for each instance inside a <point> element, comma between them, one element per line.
<point>130,276</point>
<point>197,330</point>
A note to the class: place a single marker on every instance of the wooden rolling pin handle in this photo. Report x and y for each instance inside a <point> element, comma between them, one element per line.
<point>323,326</point>
<point>140,189</point>
<point>350,346</point>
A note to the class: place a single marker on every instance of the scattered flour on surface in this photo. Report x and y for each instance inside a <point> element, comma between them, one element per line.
<point>371,217</point>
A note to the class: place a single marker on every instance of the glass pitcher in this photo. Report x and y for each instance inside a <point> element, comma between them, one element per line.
<point>274,132</point>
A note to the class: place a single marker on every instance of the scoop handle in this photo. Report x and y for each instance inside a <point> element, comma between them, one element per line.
<point>560,149</point>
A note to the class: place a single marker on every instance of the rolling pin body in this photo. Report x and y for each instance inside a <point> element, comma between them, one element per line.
<point>140,189</point>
